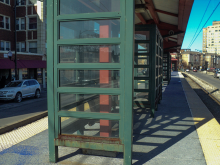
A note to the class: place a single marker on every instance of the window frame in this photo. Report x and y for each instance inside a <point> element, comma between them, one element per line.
<point>32,48</point>
<point>29,22</point>
<point>20,23</point>
<point>19,49</point>
<point>4,42</point>
<point>4,22</point>
<point>19,4</point>
<point>4,1</point>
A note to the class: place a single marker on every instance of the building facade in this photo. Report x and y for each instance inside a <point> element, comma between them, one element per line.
<point>30,43</point>
<point>211,38</point>
<point>193,59</point>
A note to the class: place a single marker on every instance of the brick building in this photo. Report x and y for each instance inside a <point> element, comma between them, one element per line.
<point>31,40</point>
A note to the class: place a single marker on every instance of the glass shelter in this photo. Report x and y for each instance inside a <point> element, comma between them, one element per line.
<point>90,75</point>
<point>167,67</point>
<point>148,67</point>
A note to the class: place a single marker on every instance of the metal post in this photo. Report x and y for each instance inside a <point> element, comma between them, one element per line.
<point>15,42</point>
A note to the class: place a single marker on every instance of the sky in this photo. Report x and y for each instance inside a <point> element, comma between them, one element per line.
<point>196,15</point>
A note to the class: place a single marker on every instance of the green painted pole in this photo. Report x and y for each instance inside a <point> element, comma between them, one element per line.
<point>53,150</point>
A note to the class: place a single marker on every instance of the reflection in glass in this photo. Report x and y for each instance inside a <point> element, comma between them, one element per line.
<point>89,103</point>
<point>141,96</point>
<point>141,72</point>
<point>89,78</point>
<point>142,35</point>
<point>90,29</point>
<point>89,54</point>
<point>88,6</point>
<point>141,84</point>
<point>90,127</point>
<point>141,47</point>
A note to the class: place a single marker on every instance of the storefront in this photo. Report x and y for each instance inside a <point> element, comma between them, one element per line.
<point>26,69</point>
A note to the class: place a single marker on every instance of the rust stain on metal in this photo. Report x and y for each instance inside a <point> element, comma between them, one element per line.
<point>89,139</point>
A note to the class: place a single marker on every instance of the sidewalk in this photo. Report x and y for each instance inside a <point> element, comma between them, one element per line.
<point>170,138</point>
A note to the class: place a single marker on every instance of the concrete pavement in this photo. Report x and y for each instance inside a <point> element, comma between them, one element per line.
<point>170,138</point>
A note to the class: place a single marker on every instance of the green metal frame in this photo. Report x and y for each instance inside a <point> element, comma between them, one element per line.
<point>125,118</point>
<point>167,67</point>
<point>155,79</point>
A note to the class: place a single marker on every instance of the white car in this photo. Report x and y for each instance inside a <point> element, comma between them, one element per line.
<point>187,70</point>
<point>20,89</point>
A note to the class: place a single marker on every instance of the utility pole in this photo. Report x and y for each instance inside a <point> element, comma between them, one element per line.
<point>15,38</point>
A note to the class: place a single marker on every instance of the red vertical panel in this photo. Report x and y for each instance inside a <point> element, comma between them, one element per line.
<point>105,102</point>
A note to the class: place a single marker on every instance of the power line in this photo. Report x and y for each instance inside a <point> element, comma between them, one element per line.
<point>199,24</point>
<point>205,23</point>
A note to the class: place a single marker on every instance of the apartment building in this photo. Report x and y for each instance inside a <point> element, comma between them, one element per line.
<point>31,40</point>
<point>211,38</point>
<point>193,59</point>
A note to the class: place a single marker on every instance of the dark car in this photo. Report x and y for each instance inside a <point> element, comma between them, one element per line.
<point>194,70</point>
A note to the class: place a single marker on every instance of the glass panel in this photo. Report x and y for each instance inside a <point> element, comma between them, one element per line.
<point>24,73</point>
<point>88,6</point>
<point>7,46</point>
<point>39,75</point>
<point>17,24</point>
<point>2,45</point>
<point>142,35</point>
<point>22,24</point>
<point>89,103</point>
<point>141,84</point>
<point>141,96</point>
<point>142,47</point>
<point>89,78</point>
<point>90,127</point>
<point>143,61</point>
<point>90,54</point>
<point>141,72</point>
<point>90,29</point>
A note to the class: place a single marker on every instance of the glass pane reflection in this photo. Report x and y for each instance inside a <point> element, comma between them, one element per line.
<point>141,72</point>
<point>89,78</point>
<point>141,47</point>
<point>88,6</point>
<point>90,29</point>
<point>141,96</point>
<point>90,127</point>
<point>90,54</point>
<point>141,84</point>
<point>142,35</point>
<point>89,103</point>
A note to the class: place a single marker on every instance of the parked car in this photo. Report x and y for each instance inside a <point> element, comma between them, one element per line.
<point>194,70</point>
<point>20,89</point>
<point>187,70</point>
<point>202,69</point>
<point>217,74</point>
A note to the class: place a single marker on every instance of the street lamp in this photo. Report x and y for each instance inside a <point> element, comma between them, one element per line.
<point>16,2</point>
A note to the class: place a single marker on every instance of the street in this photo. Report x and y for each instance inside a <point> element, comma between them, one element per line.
<point>12,112</point>
<point>208,78</point>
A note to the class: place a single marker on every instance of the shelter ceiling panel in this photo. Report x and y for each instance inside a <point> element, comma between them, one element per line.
<point>168,19</point>
<point>171,6</point>
<point>136,19</point>
<point>146,15</point>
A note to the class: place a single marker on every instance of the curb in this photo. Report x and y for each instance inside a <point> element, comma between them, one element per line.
<point>22,122</point>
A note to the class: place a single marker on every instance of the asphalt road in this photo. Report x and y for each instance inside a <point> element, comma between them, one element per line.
<point>11,112</point>
<point>208,78</point>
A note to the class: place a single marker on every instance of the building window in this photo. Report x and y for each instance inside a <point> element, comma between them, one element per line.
<point>33,47</point>
<point>32,2</point>
<point>4,22</point>
<point>5,1</point>
<point>33,23</point>
<point>21,2</point>
<point>5,45</point>
<point>20,47</point>
<point>20,24</point>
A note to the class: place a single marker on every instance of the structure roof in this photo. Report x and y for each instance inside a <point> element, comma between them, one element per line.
<point>171,17</point>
